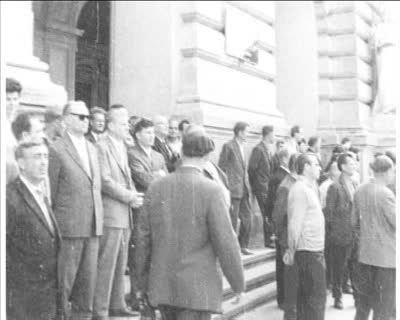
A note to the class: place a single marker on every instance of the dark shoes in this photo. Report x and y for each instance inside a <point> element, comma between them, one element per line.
<point>246,252</point>
<point>270,244</point>
<point>347,290</point>
<point>123,313</point>
<point>338,304</point>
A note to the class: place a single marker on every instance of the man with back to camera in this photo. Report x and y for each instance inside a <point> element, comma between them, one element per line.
<point>75,181</point>
<point>33,240</point>
<point>232,162</point>
<point>119,197</point>
<point>183,229</point>
<point>306,236</point>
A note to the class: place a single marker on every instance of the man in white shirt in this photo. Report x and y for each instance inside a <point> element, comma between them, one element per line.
<point>33,239</point>
<point>306,237</point>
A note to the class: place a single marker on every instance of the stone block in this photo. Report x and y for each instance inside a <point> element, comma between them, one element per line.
<point>344,67</point>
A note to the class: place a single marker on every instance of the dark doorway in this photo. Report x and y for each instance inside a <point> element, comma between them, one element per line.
<point>92,57</point>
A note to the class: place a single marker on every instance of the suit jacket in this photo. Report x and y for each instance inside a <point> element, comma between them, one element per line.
<point>235,168</point>
<point>169,157</point>
<point>142,167</point>
<point>76,196</point>
<point>260,168</point>
<point>32,254</point>
<point>273,185</point>
<point>116,185</point>
<point>340,224</point>
<point>184,229</point>
<point>90,137</point>
<point>280,212</point>
<point>375,212</point>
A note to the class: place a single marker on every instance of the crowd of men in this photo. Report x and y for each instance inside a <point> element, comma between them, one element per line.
<point>92,195</point>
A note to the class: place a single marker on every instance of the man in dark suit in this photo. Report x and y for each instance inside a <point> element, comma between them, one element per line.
<point>146,165</point>
<point>340,224</point>
<point>184,229</point>
<point>260,173</point>
<point>119,196</point>
<point>97,124</point>
<point>232,161</point>
<point>160,145</point>
<point>33,240</point>
<point>76,197</point>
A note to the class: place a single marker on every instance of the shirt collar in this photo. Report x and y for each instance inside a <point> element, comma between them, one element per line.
<point>306,181</point>
<point>117,143</point>
<point>35,190</point>
<point>192,166</point>
<point>76,139</point>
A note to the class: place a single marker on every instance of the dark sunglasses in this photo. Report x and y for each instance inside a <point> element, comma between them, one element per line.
<point>81,116</point>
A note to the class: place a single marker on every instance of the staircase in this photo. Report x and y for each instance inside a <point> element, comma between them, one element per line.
<point>260,285</point>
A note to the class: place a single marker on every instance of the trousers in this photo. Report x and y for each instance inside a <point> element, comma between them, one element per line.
<point>240,208</point>
<point>174,313</point>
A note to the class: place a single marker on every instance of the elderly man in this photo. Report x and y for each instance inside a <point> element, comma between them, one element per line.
<point>232,162</point>
<point>33,240</point>
<point>97,124</point>
<point>306,237</point>
<point>119,196</point>
<point>375,214</point>
<point>160,144</point>
<point>184,229</point>
<point>75,182</point>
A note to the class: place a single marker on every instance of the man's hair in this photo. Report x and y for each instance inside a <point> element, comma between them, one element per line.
<point>196,145</point>
<point>337,150</point>
<point>266,130</point>
<point>113,108</point>
<point>97,110</point>
<point>381,164</point>
<point>67,107</point>
<point>142,124</point>
<point>240,126</point>
<point>279,142</point>
<point>19,151</point>
<point>295,129</point>
<point>302,160</point>
<point>313,141</point>
<point>333,159</point>
<point>182,123</point>
<point>391,155</point>
<point>355,151</point>
<point>22,123</point>
<point>342,159</point>
<point>13,85</point>
<point>302,140</point>
<point>283,153</point>
<point>50,116</point>
<point>345,140</point>
<point>293,162</point>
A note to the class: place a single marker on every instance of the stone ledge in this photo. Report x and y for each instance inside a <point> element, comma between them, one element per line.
<point>195,17</point>
<point>232,63</point>
<point>254,13</point>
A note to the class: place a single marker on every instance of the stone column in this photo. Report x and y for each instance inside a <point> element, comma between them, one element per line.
<point>17,27</point>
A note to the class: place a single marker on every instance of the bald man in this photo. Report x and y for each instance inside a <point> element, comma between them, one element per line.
<point>75,183</point>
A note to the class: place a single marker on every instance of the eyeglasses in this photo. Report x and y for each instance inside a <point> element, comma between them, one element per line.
<point>81,116</point>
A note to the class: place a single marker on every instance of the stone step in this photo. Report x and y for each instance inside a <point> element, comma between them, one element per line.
<point>256,277</point>
<point>250,300</point>
<point>260,256</point>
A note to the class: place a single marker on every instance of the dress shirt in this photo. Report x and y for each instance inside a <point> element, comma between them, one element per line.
<point>323,191</point>
<point>81,149</point>
<point>306,219</point>
<point>349,185</point>
<point>210,168</point>
<point>292,146</point>
<point>121,150</point>
<point>241,149</point>
<point>39,194</point>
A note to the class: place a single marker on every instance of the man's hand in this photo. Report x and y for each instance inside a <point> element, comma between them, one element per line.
<point>137,200</point>
<point>238,298</point>
<point>288,257</point>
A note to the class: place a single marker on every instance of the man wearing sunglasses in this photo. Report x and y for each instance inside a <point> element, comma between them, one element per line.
<point>76,197</point>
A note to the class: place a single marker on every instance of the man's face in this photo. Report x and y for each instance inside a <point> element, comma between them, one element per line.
<point>242,135</point>
<point>314,168</point>
<point>173,129</point>
<point>280,146</point>
<point>119,124</point>
<point>78,120</point>
<point>270,137</point>
<point>146,137</point>
<point>12,103</point>
<point>334,171</point>
<point>161,126</point>
<point>350,167</point>
<point>36,134</point>
<point>98,123</point>
<point>303,147</point>
<point>34,163</point>
<point>299,135</point>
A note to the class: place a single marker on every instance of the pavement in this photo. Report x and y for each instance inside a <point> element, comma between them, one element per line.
<point>271,311</point>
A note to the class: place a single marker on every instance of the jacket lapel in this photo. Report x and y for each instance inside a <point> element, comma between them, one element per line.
<point>69,146</point>
<point>236,149</point>
<point>31,202</point>
<point>114,153</point>
<point>346,190</point>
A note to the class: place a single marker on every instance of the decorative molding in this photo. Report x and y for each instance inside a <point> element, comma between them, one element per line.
<point>264,46</point>
<point>227,62</point>
<point>253,12</point>
<point>195,17</point>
